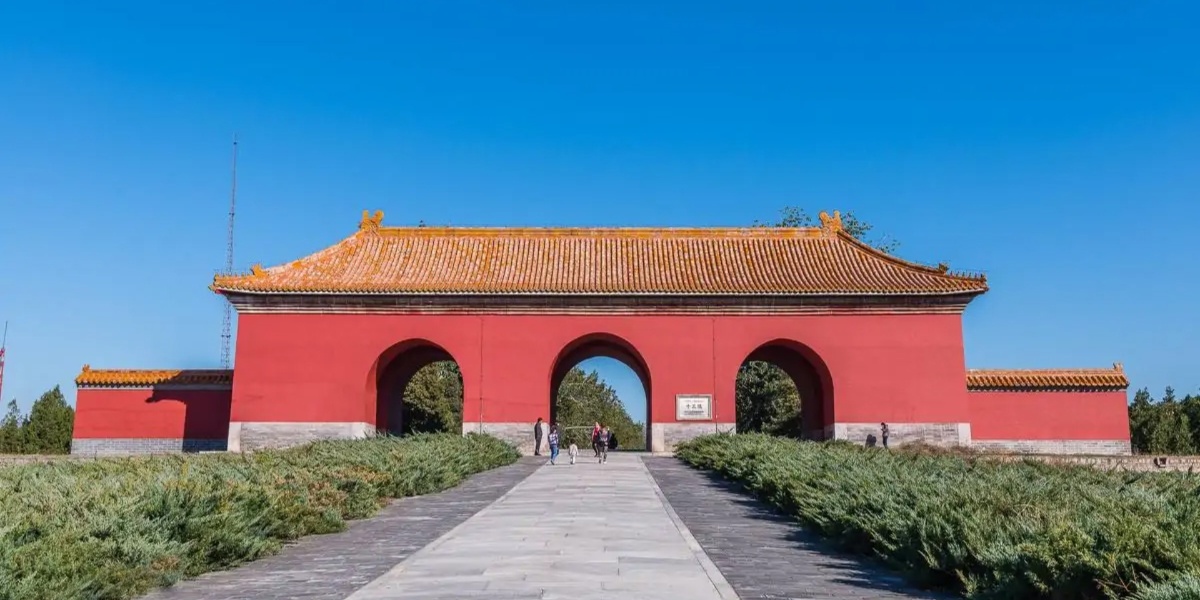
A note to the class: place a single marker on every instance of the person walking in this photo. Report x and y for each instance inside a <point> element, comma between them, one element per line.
<point>595,439</point>
<point>537,437</point>
<point>883,433</point>
<point>602,444</point>
<point>552,439</point>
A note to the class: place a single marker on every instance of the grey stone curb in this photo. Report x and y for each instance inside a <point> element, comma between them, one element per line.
<point>714,574</point>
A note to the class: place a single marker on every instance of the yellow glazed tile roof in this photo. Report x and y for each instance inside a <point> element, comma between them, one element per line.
<point>1001,379</point>
<point>90,377</point>
<point>601,261</point>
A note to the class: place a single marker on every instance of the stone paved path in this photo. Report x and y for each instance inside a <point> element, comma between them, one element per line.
<point>638,527</point>
<point>568,531</point>
<point>762,553</point>
<point>333,566</point>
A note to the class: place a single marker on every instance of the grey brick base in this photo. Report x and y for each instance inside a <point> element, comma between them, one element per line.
<point>129,446</point>
<point>248,436</point>
<point>665,436</point>
<point>935,434</point>
<point>1087,447</point>
<point>517,434</point>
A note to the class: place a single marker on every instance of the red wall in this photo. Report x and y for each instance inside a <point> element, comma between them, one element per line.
<point>323,367</point>
<point>1049,415</point>
<point>146,413</point>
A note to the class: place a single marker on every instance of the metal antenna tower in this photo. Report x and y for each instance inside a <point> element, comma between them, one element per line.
<point>227,323</point>
<point>3,347</point>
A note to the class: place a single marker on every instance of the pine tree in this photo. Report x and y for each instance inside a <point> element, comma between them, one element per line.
<point>1191,407</point>
<point>767,400</point>
<point>433,399</point>
<point>1141,420</point>
<point>1171,434</point>
<point>794,216</point>
<point>51,421</point>
<point>11,434</point>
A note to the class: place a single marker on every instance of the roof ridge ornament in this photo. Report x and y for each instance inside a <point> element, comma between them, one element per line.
<point>257,270</point>
<point>1119,367</point>
<point>831,224</point>
<point>371,223</point>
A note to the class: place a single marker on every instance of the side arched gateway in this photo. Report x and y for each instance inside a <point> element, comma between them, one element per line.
<point>810,378</point>
<point>401,407</point>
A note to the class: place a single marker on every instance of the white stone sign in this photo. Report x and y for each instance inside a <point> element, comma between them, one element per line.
<point>693,407</point>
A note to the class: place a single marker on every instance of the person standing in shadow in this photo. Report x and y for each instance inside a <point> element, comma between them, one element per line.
<point>883,433</point>
<point>537,437</point>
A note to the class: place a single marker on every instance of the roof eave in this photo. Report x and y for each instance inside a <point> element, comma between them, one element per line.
<point>942,270</point>
<point>1048,388</point>
<point>969,294</point>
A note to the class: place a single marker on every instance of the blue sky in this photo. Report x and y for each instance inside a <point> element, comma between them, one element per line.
<point>1053,147</point>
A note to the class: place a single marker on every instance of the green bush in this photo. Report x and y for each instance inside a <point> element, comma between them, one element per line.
<point>115,528</point>
<point>1184,587</point>
<point>983,528</point>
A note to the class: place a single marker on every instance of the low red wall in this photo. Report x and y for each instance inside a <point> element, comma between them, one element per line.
<point>1044,415</point>
<point>104,413</point>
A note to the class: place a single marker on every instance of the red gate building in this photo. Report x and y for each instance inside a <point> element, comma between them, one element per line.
<point>327,343</point>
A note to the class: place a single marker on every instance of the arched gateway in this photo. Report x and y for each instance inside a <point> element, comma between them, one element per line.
<point>325,341</point>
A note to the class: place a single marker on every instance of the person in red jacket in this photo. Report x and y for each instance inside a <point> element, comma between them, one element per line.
<point>602,444</point>
<point>596,439</point>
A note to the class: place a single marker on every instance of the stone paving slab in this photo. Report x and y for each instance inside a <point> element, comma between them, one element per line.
<point>333,566</point>
<point>762,553</point>
<point>568,531</point>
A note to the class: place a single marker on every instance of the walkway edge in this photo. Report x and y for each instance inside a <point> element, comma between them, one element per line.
<point>714,574</point>
<point>400,566</point>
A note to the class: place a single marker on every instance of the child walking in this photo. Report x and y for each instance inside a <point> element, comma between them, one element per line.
<point>573,451</point>
<point>553,440</point>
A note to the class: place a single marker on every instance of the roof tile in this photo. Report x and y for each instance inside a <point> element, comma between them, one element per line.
<point>1048,379</point>
<point>601,261</point>
<point>90,377</point>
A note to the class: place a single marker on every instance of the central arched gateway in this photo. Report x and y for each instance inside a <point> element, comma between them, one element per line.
<point>327,342</point>
<point>600,345</point>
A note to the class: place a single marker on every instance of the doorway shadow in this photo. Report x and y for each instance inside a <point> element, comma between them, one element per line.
<point>205,403</point>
